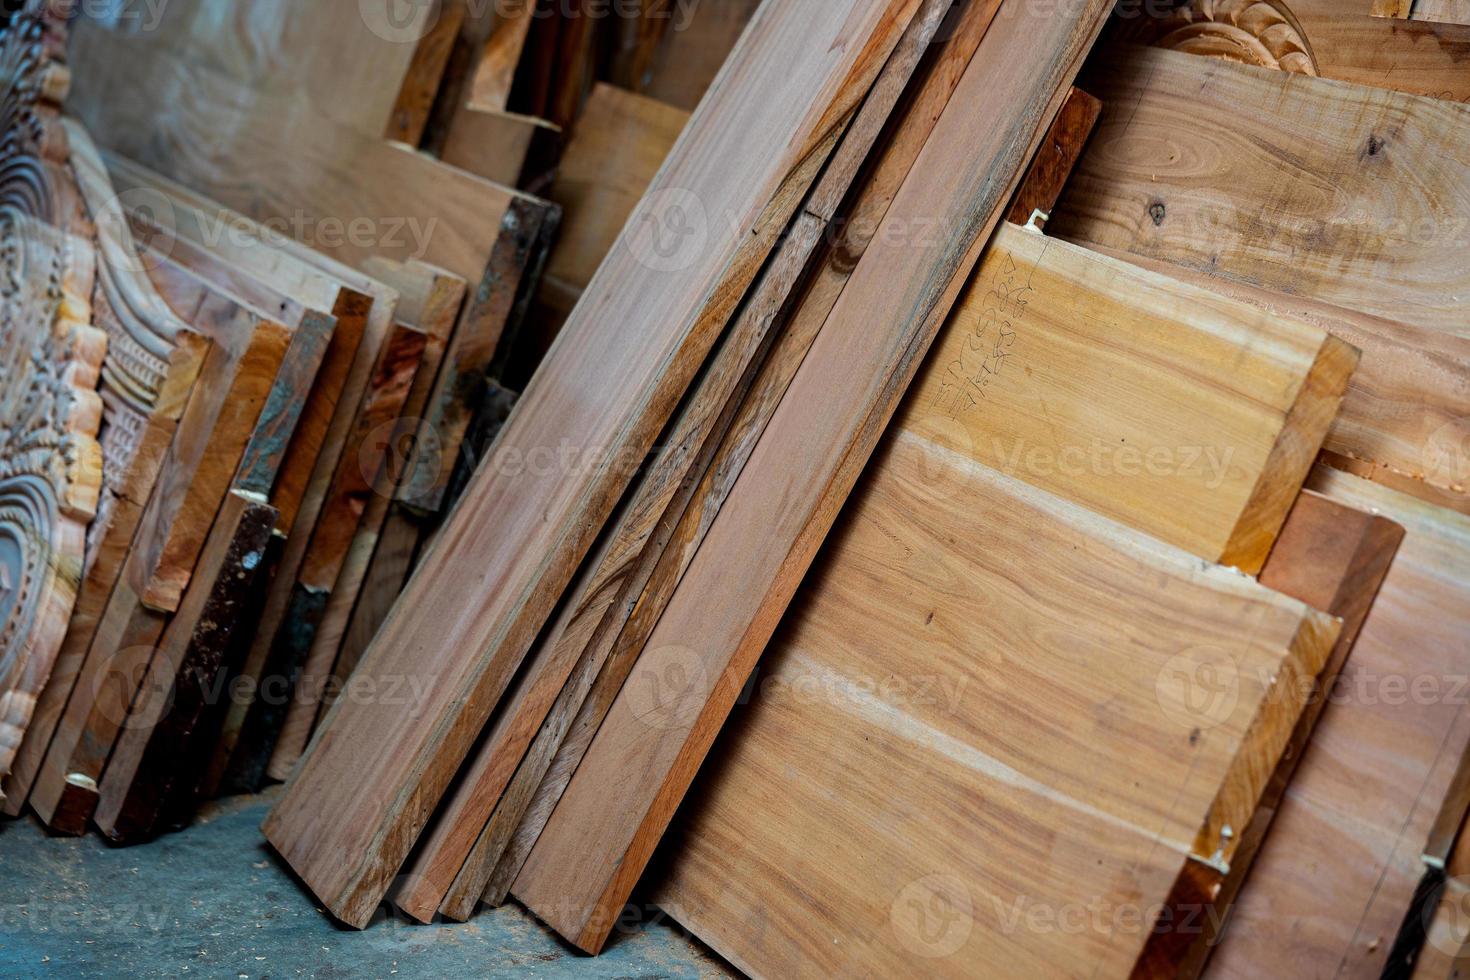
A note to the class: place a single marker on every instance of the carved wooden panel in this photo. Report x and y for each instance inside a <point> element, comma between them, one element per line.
<point>50,460</point>
<point>1264,33</point>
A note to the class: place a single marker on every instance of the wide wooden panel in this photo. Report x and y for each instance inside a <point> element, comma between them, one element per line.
<point>1153,403</point>
<point>608,822</point>
<point>988,708</point>
<point>1332,881</point>
<point>1346,194</point>
<point>528,526</point>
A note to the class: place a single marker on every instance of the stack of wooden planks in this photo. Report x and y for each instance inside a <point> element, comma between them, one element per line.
<point>285,397</point>
<point>953,522</point>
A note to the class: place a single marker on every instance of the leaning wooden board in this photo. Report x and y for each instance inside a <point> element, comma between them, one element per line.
<point>669,477</point>
<point>468,636</point>
<point>591,853</point>
<point>926,771</point>
<point>1331,883</point>
<point>1366,210</point>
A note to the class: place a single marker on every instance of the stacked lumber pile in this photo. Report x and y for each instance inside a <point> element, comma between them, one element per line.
<point>953,521</point>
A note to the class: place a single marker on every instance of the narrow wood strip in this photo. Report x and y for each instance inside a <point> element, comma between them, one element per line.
<point>358,470</point>
<point>686,449</point>
<point>489,88</point>
<point>184,672</point>
<point>833,414</point>
<point>421,82</point>
<point>529,530</point>
<point>603,667</point>
<point>1056,158</point>
<point>435,316</point>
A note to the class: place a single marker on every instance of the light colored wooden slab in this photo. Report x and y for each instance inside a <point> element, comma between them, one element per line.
<point>529,530</point>
<point>590,855</point>
<point>1020,733</point>
<point>1407,404</point>
<point>1330,885</point>
<point>1151,402</point>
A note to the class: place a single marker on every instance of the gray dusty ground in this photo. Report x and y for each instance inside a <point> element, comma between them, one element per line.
<point>214,901</point>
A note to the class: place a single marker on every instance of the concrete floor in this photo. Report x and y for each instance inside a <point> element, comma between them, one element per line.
<point>215,901</point>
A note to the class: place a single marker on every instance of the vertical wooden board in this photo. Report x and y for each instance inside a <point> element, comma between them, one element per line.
<point>1333,558</point>
<point>694,47</point>
<point>1330,884</point>
<point>1205,163</point>
<point>970,742</point>
<point>612,157</point>
<point>183,673</point>
<point>530,530</point>
<point>670,476</point>
<point>1151,402</point>
<point>591,853</point>
<point>352,488</point>
<point>425,73</point>
<point>435,316</point>
<point>599,675</point>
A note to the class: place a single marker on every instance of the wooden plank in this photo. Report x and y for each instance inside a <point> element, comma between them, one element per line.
<point>1199,162</point>
<point>327,552</point>
<point>1331,882</point>
<point>833,414</point>
<point>1047,331</point>
<point>415,103</point>
<point>980,737</point>
<point>184,673</point>
<point>617,148</point>
<point>235,384</point>
<point>609,653</point>
<point>1455,12</point>
<point>529,529</point>
<point>695,46</point>
<point>671,476</point>
<point>1333,558</point>
<point>505,147</point>
<point>489,88</point>
<point>1407,404</point>
<point>1056,158</point>
<point>1393,8</point>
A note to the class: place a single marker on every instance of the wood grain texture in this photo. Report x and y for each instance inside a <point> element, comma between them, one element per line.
<point>832,415</point>
<point>663,491</point>
<point>694,47</point>
<point>216,426</point>
<point>425,73</point>
<point>1196,161</point>
<point>184,673</point>
<point>941,773</point>
<point>529,530</point>
<point>353,487</point>
<point>1330,884</point>
<point>600,673</point>
<point>1455,12</point>
<point>1145,399</point>
<point>490,85</point>
<point>1333,558</point>
<point>1407,403</point>
<point>1056,157</point>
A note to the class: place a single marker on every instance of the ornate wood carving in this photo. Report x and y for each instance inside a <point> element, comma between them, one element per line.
<point>50,412</point>
<point>1257,32</point>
